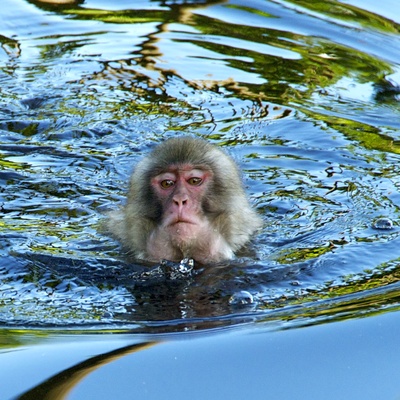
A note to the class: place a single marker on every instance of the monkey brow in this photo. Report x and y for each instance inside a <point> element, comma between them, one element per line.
<point>159,169</point>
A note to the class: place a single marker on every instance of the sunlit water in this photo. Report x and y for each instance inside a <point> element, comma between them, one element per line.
<point>305,97</point>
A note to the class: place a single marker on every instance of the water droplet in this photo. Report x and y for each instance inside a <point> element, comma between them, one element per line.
<point>241,298</point>
<point>383,223</point>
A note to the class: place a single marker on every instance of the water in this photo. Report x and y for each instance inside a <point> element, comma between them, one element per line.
<point>304,96</point>
<point>305,99</point>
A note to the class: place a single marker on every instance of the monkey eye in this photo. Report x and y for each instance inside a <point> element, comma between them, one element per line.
<point>195,181</point>
<point>167,183</point>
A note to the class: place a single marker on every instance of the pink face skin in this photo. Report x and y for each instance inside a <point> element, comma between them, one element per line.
<point>180,190</point>
<point>184,230</point>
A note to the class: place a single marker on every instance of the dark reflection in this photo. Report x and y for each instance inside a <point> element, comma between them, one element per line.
<point>150,298</point>
<point>387,91</point>
<point>58,386</point>
<point>202,301</point>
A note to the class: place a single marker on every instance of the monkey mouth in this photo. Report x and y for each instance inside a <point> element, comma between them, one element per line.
<point>178,219</point>
<point>181,221</point>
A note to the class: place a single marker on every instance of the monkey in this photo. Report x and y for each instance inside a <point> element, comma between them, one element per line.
<point>186,199</point>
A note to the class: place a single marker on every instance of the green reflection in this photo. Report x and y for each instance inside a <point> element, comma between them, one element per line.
<point>349,13</point>
<point>320,63</point>
<point>368,136</point>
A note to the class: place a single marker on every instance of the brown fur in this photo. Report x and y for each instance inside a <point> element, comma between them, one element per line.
<point>225,207</point>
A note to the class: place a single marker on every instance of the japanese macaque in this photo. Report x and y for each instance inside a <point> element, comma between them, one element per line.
<point>186,200</point>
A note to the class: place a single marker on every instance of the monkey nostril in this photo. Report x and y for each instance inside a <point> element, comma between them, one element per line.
<point>180,202</point>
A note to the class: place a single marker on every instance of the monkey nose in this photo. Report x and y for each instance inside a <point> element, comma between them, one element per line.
<point>180,201</point>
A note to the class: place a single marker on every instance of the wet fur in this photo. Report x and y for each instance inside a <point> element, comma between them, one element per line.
<point>226,205</point>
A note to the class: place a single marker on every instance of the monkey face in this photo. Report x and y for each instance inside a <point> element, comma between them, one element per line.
<point>180,190</point>
<point>184,227</point>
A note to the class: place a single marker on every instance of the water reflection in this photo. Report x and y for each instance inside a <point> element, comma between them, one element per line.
<point>58,386</point>
<point>305,98</point>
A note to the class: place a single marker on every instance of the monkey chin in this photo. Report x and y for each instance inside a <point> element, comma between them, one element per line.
<point>188,240</point>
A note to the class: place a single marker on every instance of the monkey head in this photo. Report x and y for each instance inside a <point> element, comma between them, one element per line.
<point>186,199</point>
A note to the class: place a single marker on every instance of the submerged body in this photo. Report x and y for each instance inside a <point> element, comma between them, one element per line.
<point>186,199</point>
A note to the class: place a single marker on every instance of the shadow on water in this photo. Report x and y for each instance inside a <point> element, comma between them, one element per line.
<point>300,94</point>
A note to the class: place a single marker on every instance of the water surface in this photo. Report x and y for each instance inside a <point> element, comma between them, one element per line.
<point>304,96</point>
